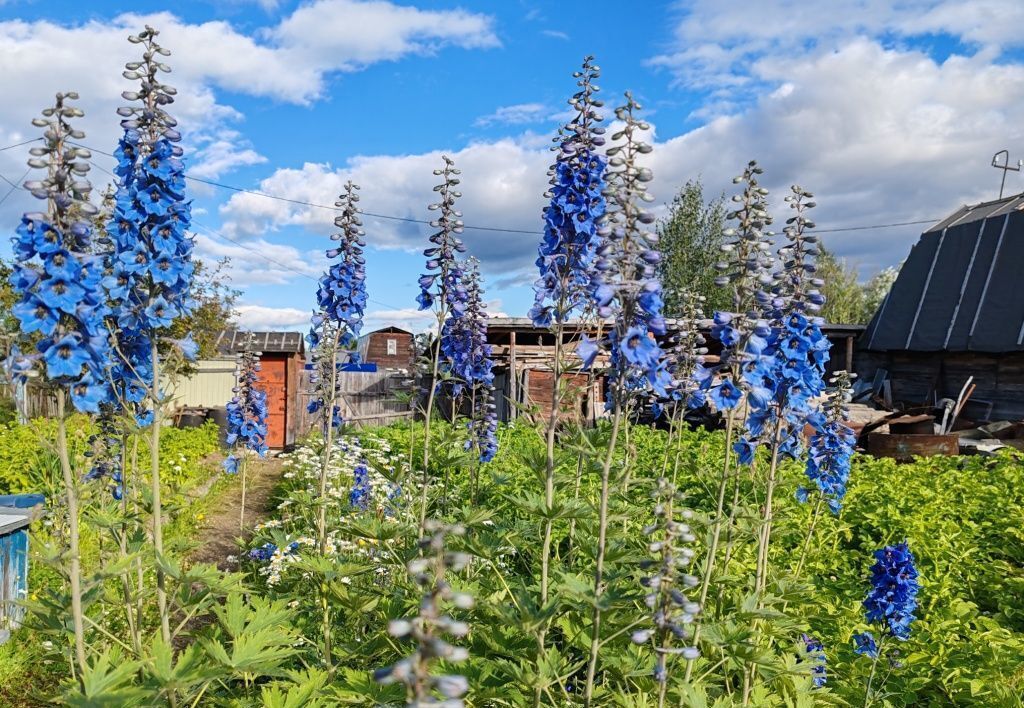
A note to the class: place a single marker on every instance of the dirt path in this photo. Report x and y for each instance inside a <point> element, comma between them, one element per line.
<point>219,530</point>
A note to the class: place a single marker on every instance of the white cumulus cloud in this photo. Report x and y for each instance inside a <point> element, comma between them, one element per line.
<point>259,317</point>
<point>880,135</point>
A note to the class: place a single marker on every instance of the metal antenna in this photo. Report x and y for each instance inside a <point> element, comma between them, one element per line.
<point>1005,167</point>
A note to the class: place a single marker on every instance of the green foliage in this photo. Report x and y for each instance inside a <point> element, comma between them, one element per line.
<point>847,300</point>
<point>183,452</point>
<point>29,464</point>
<point>690,243</point>
<point>261,640</point>
<point>959,514</point>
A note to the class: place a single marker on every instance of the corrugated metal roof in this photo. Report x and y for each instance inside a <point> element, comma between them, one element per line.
<point>959,289</point>
<point>233,341</point>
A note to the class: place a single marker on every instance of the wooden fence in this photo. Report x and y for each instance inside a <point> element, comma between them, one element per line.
<point>366,399</point>
<point>31,400</point>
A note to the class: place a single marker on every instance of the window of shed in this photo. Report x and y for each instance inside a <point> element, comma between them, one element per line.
<point>392,347</point>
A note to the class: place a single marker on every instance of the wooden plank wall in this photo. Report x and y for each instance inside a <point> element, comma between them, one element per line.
<point>921,377</point>
<point>577,403</point>
<point>375,350</point>
<point>367,399</point>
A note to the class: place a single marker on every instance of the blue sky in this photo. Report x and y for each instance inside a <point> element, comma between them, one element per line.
<point>889,112</point>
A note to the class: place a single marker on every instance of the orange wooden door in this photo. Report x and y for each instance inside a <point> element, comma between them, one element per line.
<point>273,379</point>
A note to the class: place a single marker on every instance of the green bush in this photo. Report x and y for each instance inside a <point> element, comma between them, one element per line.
<point>27,464</point>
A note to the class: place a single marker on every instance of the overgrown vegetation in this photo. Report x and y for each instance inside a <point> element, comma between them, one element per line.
<point>448,561</point>
<point>32,664</point>
<point>959,515</point>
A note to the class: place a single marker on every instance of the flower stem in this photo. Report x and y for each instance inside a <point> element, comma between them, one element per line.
<point>126,586</point>
<point>767,516</point>
<point>75,560</point>
<point>325,455</point>
<point>241,513</point>
<point>325,611</point>
<point>763,543</point>
<point>602,534</point>
<point>549,496</point>
<point>578,482</point>
<point>810,535</point>
<point>425,481</point>
<point>154,469</point>
<point>716,532</point>
<point>874,668</point>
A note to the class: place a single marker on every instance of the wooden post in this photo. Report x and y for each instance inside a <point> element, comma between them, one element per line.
<point>513,374</point>
<point>849,354</point>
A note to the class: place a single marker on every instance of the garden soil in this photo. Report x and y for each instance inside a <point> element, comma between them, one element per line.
<point>218,532</point>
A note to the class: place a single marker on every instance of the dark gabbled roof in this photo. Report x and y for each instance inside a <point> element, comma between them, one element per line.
<point>232,341</point>
<point>960,288</point>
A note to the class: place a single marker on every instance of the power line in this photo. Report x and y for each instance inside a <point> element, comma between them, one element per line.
<point>279,264</point>
<point>407,219</point>
<point>328,207</point>
<point>874,226</point>
<point>250,249</point>
<point>14,187</point>
<point>11,147</point>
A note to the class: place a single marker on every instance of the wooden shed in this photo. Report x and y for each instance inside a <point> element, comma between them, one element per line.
<point>957,311</point>
<point>523,355</point>
<point>282,358</point>
<point>388,348</point>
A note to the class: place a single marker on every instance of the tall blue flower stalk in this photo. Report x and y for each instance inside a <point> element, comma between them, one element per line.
<point>686,356</point>
<point>829,456</point>
<point>476,369</point>
<point>890,606</point>
<point>831,447</point>
<point>745,270</point>
<point>565,257</point>
<point>150,276</point>
<point>577,203</point>
<point>441,289</point>
<point>626,290</point>
<point>59,299</point>
<point>465,354</point>
<point>333,338</point>
<point>784,373</point>
<point>341,300</point>
<point>247,418</point>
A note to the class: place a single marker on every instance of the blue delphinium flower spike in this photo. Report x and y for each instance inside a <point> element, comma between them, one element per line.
<point>577,203</point>
<point>832,445</point>
<point>428,628</point>
<point>57,278</point>
<point>893,596</point>
<point>341,300</point>
<point>247,410</point>
<point>672,612</point>
<point>624,285</point>
<point>149,266</point>
<point>814,652</point>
